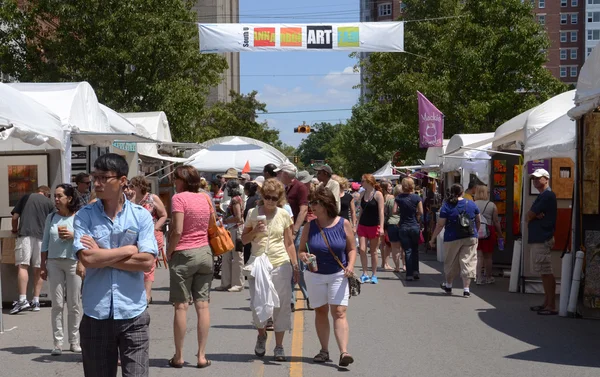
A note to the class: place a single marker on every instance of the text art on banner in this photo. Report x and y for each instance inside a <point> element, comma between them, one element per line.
<point>431,124</point>
<point>356,36</point>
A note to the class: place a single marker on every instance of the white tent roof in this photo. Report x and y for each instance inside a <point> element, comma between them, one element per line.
<point>31,122</point>
<point>558,139</point>
<point>232,152</point>
<point>588,86</point>
<point>432,157</point>
<point>456,155</point>
<point>156,126</point>
<point>519,128</point>
<point>386,171</point>
<point>117,122</point>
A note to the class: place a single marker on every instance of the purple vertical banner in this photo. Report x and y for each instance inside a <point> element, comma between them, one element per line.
<point>431,124</point>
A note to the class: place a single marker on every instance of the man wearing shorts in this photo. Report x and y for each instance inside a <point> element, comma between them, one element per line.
<point>28,219</point>
<point>541,220</point>
<point>114,240</point>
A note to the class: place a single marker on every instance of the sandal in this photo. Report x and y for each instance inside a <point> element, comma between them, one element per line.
<point>547,312</point>
<point>346,359</point>
<point>537,308</point>
<point>173,364</point>
<point>205,365</point>
<point>321,357</point>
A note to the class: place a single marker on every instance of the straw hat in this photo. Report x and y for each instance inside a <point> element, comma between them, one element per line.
<point>231,173</point>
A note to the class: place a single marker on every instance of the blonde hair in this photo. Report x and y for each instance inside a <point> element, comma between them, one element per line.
<point>344,185</point>
<point>408,185</point>
<point>273,185</point>
<point>397,190</point>
<point>482,193</point>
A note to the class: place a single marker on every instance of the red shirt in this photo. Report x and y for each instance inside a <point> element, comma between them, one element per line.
<point>297,195</point>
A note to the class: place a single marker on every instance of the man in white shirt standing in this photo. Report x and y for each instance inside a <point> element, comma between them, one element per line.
<point>324,174</point>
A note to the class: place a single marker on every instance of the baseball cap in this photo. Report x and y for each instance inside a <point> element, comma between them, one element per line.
<point>541,173</point>
<point>325,168</point>
<point>304,176</point>
<point>245,176</point>
<point>287,167</point>
<point>259,180</point>
<point>355,186</point>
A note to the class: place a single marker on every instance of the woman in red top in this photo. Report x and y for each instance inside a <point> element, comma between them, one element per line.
<point>191,261</point>
<point>140,186</point>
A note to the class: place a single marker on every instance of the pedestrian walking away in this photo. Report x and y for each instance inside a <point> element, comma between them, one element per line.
<point>114,239</point>
<point>330,240</point>
<point>410,207</point>
<point>271,267</point>
<point>460,220</point>
<point>190,262</point>
<point>233,260</point>
<point>60,267</point>
<point>485,246</point>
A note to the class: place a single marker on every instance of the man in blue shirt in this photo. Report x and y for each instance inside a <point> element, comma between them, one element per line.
<point>114,240</point>
<point>541,222</point>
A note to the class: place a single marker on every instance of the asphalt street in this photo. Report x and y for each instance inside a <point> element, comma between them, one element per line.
<point>397,328</point>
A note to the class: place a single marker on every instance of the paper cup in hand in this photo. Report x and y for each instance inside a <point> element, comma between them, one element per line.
<point>61,228</point>
<point>262,219</point>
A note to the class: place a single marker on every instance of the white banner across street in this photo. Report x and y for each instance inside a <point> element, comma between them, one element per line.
<point>352,36</point>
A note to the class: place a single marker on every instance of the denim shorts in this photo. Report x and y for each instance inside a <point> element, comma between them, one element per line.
<point>393,232</point>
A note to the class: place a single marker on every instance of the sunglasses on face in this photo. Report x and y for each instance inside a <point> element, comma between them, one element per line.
<point>271,198</point>
<point>314,202</point>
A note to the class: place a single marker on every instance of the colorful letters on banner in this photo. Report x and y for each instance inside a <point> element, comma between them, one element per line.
<point>431,124</point>
<point>358,36</point>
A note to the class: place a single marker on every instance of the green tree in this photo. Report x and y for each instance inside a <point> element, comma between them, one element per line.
<point>138,55</point>
<point>480,68</point>
<point>317,145</point>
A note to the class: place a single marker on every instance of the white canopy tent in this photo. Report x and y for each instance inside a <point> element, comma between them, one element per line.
<point>26,121</point>
<point>587,97</point>
<point>156,126</point>
<point>557,139</point>
<point>434,154</point>
<point>233,152</point>
<point>386,172</point>
<point>516,131</point>
<point>466,153</point>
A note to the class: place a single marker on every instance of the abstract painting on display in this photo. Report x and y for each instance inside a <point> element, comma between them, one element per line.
<point>20,175</point>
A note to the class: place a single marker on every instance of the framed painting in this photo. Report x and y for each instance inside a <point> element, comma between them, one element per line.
<point>20,175</point>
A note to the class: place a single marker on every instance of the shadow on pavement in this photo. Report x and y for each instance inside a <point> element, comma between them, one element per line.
<point>561,341</point>
<point>234,327</point>
<point>243,308</point>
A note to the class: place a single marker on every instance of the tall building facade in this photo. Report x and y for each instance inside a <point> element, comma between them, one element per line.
<point>592,25</point>
<point>565,24</point>
<point>222,11</point>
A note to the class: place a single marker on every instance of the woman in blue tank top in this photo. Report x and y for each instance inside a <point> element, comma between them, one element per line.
<point>329,235</point>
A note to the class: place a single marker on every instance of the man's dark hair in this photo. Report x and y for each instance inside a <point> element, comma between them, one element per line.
<point>81,176</point>
<point>112,162</point>
<point>269,171</point>
<point>251,187</point>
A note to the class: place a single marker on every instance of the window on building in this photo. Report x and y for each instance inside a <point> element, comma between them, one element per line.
<point>589,50</point>
<point>563,36</point>
<point>385,9</point>
<point>574,3</point>
<point>542,4</point>
<point>593,16</point>
<point>574,18</point>
<point>593,2</point>
<point>563,71</point>
<point>542,19</point>
<point>563,3</point>
<point>573,72</point>
<point>563,19</point>
<point>573,53</point>
<point>573,36</point>
<point>593,35</point>
<point>563,54</point>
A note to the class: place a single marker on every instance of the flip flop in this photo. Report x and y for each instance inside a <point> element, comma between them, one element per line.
<point>536,308</point>
<point>206,365</point>
<point>547,312</point>
<point>172,364</point>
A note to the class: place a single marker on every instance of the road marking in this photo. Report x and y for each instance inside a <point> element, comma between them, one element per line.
<point>297,340</point>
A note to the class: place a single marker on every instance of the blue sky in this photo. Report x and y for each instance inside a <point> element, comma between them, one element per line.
<point>324,87</point>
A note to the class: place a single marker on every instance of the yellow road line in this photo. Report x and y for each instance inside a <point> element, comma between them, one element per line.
<point>297,340</point>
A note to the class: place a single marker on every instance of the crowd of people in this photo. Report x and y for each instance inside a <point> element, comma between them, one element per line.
<point>98,251</point>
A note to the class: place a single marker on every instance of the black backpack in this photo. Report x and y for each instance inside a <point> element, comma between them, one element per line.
<point>464,224</point>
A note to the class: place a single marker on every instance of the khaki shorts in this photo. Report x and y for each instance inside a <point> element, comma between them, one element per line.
<point>541,260</point>
<point>191,275</point>
<point>461,255</point>
<point>28,251</point>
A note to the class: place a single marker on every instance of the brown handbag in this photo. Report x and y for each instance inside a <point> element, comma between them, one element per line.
<point>218,236</point>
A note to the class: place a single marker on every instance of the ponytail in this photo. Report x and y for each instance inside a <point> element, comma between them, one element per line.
<point>456,191</point>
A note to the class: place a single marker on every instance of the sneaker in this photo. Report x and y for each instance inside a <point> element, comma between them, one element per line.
<point>261,346</point>
<point>480,281</point>
<point>19,306</point>
<point>34,306</point>
<point>75,348</point>
<point>279,354</point>
<point>56,351</point>
<point>490,280</point>
<point>416,276</point>
<point>365,279</point>
<point>466,294</point>
<point>374,279</point>
<point>446,289</point>
<point>235,288</point>
<point>409,278</point>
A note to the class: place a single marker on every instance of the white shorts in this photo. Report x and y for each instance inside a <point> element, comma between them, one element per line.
<point>28,251</point>
<point>329,289</point>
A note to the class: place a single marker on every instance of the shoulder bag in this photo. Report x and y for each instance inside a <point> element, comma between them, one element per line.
<point>483,232</point>
<point>353,281</point>
<point>218,236</point>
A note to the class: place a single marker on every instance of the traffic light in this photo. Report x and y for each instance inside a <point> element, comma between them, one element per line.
<point>302,129</point>
<point>296,159</point>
